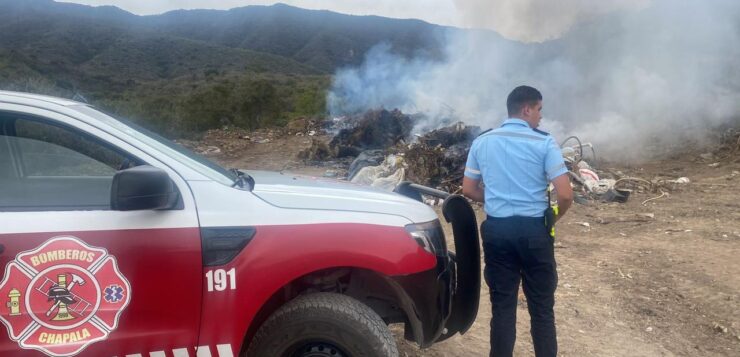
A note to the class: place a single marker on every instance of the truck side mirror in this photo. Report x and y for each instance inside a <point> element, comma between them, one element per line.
<point>143,188</point>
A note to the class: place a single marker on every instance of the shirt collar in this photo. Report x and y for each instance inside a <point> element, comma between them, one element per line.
<point>515,121</point>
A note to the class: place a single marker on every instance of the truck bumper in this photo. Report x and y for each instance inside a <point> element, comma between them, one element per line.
<point>444,301</point>
<point>427,299</point>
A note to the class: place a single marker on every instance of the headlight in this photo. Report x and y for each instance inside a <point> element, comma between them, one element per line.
<point>429,236</point>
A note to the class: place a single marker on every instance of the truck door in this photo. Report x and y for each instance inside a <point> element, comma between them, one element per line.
<point>79,277</point>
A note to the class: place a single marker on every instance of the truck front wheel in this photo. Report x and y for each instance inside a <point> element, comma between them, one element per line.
<point>323,324</point>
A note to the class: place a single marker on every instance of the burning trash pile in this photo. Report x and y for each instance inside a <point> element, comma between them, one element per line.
<point>386,153</point>
<point>377,129</point>
<point>437,159</point>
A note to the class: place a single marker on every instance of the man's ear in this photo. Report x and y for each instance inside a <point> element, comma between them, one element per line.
<point>526,108</point>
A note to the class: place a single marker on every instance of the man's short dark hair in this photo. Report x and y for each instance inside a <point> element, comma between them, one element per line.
<point>521,96</point>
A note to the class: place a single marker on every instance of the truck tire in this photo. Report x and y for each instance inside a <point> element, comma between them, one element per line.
<point>323,324</point>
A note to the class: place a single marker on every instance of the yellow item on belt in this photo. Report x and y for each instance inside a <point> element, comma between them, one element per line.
<point>551,214</point>
<point>556,210</point>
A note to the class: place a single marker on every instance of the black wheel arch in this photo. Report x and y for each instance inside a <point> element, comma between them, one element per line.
<point>381,293</point>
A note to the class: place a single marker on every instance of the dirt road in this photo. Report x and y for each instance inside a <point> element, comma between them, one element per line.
<point>659,279</point>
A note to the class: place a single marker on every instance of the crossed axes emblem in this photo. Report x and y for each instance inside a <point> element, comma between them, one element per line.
<point>62,294</point>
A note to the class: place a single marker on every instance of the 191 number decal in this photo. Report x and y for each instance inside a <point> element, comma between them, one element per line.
<point>217,279</point>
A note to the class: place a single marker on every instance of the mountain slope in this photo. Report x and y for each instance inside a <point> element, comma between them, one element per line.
<point>188,71</point>
<point>323,39</point>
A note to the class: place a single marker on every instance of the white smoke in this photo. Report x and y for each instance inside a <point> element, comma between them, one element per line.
<point>624,75</point>
<point>536,20</point>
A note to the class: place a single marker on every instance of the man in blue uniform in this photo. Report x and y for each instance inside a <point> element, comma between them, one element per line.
<point>516,163</point>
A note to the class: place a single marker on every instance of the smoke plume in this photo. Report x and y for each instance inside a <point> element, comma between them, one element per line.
<point>536,20</point>
<point>626,75</point>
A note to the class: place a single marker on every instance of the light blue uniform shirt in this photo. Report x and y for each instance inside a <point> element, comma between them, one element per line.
<point>516,164</point>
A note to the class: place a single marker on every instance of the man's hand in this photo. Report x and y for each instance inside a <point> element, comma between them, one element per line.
<point>472,189</point>
<point>564,193</point>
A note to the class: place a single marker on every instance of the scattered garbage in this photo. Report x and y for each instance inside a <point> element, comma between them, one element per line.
<point>588,174</point>
<point>682,180</point>
<point>303,126</point>
<point>574,153</point>
<point>210,150</point>
<point>366,158</point>
<point>591,184</point>
<point>387,175</point>
<point>598,187</point>
<point>616,195</point>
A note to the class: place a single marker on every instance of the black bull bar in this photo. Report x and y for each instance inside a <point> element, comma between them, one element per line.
<point>466,286</point>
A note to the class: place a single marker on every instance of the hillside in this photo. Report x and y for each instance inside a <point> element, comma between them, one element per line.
<point>127,62</point>
<point>322,39</point>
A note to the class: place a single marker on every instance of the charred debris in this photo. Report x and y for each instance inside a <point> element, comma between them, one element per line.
<point>385,147</point>
<point>380,148</point>
<point>385,150</point>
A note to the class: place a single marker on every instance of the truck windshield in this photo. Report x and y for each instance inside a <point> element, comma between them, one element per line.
<point>176,151</point>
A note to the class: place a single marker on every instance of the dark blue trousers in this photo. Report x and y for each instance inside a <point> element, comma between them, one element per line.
<point>520,249</point>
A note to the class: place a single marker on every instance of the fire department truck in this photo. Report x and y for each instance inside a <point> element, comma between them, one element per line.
<point>117,242</point>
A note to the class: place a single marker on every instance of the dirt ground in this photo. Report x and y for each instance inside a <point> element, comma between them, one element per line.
<point>654,279</point>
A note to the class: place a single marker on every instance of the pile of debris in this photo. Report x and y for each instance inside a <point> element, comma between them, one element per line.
<point>373,130</point>
<point>610,185</point>
<point>385,153</point>
<point>729,148</point>
<point>437,159</point>
<point>376,129</point>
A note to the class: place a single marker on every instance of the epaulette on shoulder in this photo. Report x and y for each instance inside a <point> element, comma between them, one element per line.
<point>483,132</point>
<point>541,132</point>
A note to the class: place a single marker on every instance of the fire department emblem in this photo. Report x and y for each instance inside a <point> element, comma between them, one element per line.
<point>62,296</point>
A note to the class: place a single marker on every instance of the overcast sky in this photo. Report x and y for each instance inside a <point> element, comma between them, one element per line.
<point>434,11</point>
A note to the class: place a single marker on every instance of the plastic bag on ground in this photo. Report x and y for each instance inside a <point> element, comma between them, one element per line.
<point>386,175</point>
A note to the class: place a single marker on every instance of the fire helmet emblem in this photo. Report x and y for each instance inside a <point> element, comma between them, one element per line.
<point>62,296</point>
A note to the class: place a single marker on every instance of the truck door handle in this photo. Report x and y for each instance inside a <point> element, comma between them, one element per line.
<point>2,248</point>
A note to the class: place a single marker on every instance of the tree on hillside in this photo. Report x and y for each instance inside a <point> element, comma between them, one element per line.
<point>257,103</point>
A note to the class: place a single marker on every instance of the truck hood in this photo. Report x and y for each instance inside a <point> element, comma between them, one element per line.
<point>287,190</point>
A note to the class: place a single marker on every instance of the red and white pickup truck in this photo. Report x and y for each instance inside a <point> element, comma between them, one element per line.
<point>117,242</point>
